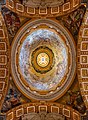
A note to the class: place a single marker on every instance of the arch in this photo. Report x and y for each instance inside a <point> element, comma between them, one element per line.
<point>4,60</point>
<point>39,12</point>
<point>42,107</point>
<point>82,58</point>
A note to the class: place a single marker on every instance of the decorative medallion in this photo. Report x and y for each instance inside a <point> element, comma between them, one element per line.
<point>43,60</point>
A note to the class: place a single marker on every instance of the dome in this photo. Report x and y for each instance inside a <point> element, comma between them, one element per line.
<point>45,55</point>
<point>43,60</point>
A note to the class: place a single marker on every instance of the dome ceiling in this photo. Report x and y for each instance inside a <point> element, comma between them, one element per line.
<point>38,59</point>
<point>43,60</point>
<point>43,3</point>
<point>45,54</point>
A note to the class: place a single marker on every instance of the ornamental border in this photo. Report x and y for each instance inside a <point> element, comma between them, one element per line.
<point>42,12</point>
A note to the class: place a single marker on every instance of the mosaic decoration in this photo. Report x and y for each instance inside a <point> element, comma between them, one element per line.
<point>12,22</point>
<point>31,50</point>
<point>43,77</point>
<point>76,101</point>
<point>12,99</point>
<point>73,98</point>
<point>73,21</point>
